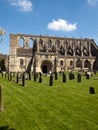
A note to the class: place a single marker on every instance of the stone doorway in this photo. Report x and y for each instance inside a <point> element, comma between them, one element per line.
<point>44,69</point>
<point>46,66</point>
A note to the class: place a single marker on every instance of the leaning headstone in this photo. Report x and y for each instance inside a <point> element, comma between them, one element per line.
<point>51,80</point>
<point>23,79</point>
<point>64,77</point>
<point>56,76</point>
<point>92,90</point>
<point>79,77</point>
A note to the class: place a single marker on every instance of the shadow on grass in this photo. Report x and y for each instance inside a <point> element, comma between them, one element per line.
<point>6,128</point>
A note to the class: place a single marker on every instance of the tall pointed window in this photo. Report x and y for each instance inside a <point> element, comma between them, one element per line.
<point>31,43</point>
<point>21,62</point>
<point>49,44</point>
<point>21,42</point>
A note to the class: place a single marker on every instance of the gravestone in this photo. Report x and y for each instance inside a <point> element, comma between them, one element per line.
<point>26,76</point>
<point>23,79</point>
<point>17,79</point>
<point>5,75</point>
<point>1,108</point>
<point>0,98</point>
<point>70,76</point>
<point>73,76</point>
<point>35,77</point>
<point>40,78</point>
<point>8,76</point>
<point>95,72</point>
<point>92,90</point>
<point>51,80</point>
<point>56,76</point>
<point>79,77</point>
<point>29,76</point>
<point>87,76</point>
<point>64,77</point>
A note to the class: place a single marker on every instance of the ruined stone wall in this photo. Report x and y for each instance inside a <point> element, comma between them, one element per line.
<point>70,53</point>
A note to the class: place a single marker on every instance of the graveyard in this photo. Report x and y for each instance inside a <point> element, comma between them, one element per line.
<point>56,102</point>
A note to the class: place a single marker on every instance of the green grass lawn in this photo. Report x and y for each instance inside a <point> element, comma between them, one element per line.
<point>38,106</point>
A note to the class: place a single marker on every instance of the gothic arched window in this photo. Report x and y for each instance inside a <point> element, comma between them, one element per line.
<point>87,64</point>
<point>21,42</point>
<point>31,43</point>
<point>41,43</point>
<point>58,43</point>
<point>71,63</point>
<point>49,44</point>
<point>21,62</point>
<point>78,63</point>
<point>61,63</point>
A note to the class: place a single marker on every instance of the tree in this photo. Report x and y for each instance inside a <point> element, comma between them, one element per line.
<point>2,32</point>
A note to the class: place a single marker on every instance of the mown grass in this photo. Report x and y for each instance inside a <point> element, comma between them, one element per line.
<point>38,106</point>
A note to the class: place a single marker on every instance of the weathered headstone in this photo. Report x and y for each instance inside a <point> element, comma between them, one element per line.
<point>23,79</point>
<point>79,77</point>
<point>87,76</point>
<point>5,75</point>
<point>73,76</point>
<point>8,76</point>
<point>40,78</point>
<point>29,76</point>
<point>1,108</point>
<point>35,77</point>
<point>0,98</point>
<point>70,76</point>
<point>95,72</point>
<point>64,77</point>
<point>17,79</point>
<point>56,76</point>
<point>51,80</point>
<point>92,90</point>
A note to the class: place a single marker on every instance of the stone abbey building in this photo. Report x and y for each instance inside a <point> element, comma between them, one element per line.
<point>29,53</point>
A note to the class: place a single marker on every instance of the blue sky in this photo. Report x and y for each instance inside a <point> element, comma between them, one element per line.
<point>70,18</point>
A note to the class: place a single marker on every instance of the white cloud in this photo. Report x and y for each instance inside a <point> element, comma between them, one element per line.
<point>22,5</point>
<point>61,25</point>
<point>92,2</point>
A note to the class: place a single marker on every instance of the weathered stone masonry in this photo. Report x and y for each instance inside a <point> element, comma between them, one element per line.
<point>47,53</point>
